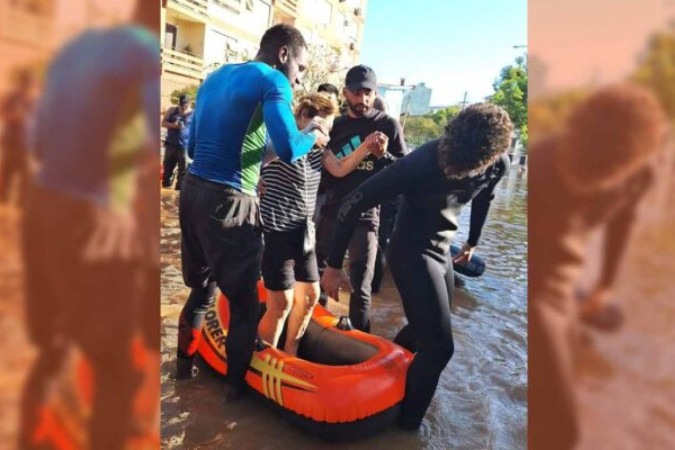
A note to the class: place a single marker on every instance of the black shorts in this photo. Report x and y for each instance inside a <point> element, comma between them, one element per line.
<point>283,260</point>
<point>221,238</point>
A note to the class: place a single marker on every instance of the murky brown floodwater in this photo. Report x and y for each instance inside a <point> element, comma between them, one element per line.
<point>481,401</point>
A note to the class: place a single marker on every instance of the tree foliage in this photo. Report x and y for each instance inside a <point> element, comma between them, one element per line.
<point>325,65</point>
<point>190,91</point>
<point>420,129</point>
<point>511,94</point>
<point>657,69</point>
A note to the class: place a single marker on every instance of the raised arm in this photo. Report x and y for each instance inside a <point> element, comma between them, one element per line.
<point>290,144</point>
<point>165,121</point>
<point>342,167</point>
<point>385,185</point>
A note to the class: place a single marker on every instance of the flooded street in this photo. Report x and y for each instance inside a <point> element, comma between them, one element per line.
<point>481,401</point>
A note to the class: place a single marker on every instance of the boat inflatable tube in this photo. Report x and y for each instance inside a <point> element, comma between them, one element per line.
<point>473,268</point>
<point>344,384</point>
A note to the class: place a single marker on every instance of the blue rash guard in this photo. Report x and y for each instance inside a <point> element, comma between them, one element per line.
<point>237,106</point>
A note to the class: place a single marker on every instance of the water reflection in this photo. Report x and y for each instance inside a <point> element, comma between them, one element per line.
<point>481,401</point>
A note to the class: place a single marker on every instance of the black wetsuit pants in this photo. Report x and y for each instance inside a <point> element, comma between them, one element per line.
<point>222,245</point>
<point>425,283</point>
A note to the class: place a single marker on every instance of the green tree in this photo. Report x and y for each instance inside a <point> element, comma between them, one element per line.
<point>443,116</point>
<point>324,66</point>
<point>421,129</point>
<point>511,94</point>
<point>190,91</point>
<point>657,69</point>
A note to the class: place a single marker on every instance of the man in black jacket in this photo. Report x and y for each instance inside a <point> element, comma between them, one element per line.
<point>360,120</point>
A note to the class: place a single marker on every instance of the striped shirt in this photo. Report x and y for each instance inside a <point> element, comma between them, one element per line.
<point>290,192</point>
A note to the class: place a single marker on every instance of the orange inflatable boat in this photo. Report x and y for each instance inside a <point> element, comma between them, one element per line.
<point>344,383</point>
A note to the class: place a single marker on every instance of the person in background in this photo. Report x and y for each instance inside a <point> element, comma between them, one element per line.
<point>15,112</point>
<point>330,90</point>
<point>177,121</point>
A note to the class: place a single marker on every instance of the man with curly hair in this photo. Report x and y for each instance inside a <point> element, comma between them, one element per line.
<point>436,181</point>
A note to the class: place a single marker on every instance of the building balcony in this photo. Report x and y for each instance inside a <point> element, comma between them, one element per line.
<point>233,5</point>
<point>28,28</point>
<point>196,9</point>
<point>288,7</point>
<point>182,63</point>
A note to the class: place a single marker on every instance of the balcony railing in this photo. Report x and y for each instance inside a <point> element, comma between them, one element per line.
<point>182,63</point>
<point>288,6</point>
<point>232,5</point>
<point>198,8</point>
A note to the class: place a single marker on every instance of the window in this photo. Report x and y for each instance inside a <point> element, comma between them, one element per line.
<point>170,32</point>
<point>340,24</point>
<point>324,12</point>
<point>352,30</point>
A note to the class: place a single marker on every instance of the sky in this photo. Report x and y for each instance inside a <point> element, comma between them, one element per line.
<point>609,37</point>
<point>453,46</point>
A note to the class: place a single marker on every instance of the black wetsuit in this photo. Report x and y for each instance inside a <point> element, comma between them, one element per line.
<point>418,255</point>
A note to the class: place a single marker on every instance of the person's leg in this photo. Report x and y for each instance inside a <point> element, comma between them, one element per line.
<point>5,178</point>
<point>324,237</point>
<point>196,275</point>
<point>306,296</point>
<point>553,417</point>
<point>170,161</point>
<point>422,285</point>
<point>278,275</point>
<point>43,306</point>
<point>230,232</point>
<point>362,254</point>
<point>272,323</point>
<point>307,293</point>
<point>181,161</point>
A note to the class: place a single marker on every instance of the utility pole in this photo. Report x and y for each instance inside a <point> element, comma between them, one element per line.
<point>464,101</point>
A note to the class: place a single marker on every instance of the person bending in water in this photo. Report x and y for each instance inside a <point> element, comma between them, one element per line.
<point>436,181</point>
<point>289,267</point>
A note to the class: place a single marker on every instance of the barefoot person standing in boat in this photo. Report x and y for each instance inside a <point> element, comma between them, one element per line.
<point>436,181</point>
<point>289,266</point>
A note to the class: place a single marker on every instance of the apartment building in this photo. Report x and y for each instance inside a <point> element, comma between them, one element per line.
<point>31,31</point>
<point>200,35</point>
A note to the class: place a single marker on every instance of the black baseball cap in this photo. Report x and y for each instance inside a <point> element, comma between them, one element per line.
<point>183,99</point>
<point>361,77</point>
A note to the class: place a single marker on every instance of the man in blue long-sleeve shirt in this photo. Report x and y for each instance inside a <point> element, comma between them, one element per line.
<point>239,105</point>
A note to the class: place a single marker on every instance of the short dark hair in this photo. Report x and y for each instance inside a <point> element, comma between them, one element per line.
<point>279,36</point>
<point>474,140</point>
<point>328,87</point>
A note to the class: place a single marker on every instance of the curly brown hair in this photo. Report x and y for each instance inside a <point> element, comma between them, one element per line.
<point>474,140</point>
<point>610,135</point>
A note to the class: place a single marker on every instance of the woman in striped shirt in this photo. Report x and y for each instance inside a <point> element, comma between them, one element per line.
<point>289,265</point>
